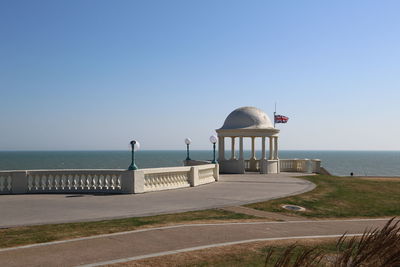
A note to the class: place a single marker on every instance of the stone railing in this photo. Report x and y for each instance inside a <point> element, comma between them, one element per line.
<point>290,165</point>
<point>300,165</point>
<point>74,180</point>
<point>248,167</point>
<point>207,174</point>
<point>65,181</point>
<point>158,179</point>
<point>166,178</point>
<point>105,181</point>
<point>6,182</point>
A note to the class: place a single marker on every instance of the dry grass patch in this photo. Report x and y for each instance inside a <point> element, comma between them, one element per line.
<point>247,254</point>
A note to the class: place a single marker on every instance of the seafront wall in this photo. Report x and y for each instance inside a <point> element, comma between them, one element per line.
<point>106,181</point>
<point>300,165</point>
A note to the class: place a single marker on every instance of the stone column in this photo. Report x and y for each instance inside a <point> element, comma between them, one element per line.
<point>263,148</point>
<point>241,148</point>
<point>233,156</point>
<point>271,148</point>
<point>253,151</point>
<point>276,147</point>
<point>221,148</point>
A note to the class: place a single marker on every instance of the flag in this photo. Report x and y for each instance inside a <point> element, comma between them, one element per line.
<point>281,119</point>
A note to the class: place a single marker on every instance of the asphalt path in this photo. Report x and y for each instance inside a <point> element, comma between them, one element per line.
<point>139,244</point>
<point>231,190</point>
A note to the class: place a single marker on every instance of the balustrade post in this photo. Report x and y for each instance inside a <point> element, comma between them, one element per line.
<point>127,182</point>
<point>308,166</point>
<point>138,181</point>
<point>216,172</point>
<point>316,165</point>
<point>19,182</point>
<point>194,176</point>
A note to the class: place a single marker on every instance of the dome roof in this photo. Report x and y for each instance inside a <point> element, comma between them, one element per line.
<point>247,118</point>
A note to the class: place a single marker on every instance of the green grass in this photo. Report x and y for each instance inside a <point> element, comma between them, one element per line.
<point>342,197</point>
<point>45,233</point>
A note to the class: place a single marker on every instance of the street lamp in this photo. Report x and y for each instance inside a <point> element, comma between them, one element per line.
<point>213,140</point>
<point>135,147</point>
<point>188,141</point>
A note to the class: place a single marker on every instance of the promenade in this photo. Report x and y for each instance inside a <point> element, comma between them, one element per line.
<point>231,190</point>
<point>145,243</point>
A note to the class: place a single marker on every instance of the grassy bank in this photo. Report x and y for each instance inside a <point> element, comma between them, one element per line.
<point>51,232</point>
<point>340,197</point>
<point>249,254</point>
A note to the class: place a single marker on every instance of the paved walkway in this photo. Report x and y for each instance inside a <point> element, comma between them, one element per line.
<point>120,247</point>
<point>231,190</point>
<point>263,214</point>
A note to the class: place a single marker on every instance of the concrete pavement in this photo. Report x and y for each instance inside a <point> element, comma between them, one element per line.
<point>231,190</point>
<point>120,247</point>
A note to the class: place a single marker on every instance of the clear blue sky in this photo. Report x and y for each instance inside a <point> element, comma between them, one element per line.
<point>83,75</point>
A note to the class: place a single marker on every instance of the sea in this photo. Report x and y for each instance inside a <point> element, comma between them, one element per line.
<point>341,163</point>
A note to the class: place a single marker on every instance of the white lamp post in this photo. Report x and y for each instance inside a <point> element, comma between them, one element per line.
<point>213,140</point>
<point>188,141</point>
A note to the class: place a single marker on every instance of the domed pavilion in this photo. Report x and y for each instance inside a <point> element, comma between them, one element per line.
<point>248,122</point>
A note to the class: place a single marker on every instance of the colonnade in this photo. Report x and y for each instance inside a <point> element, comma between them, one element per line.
<point>273,148</point>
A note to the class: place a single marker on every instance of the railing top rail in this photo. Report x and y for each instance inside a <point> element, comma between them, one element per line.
<point>207,166</point>
<point>167,169</point>
<point>65,170</point>
<point>299,159</point>
<point>9,172</point>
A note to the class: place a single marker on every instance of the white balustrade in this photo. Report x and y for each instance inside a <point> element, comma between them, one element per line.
<point>157,179</point>
<point>67,181</point>
<point>247,164</point>
<point>124,181</point>
<point>5,183</point>
<point>300,165</point>
<point>206,174</point>
<point>286,165</point>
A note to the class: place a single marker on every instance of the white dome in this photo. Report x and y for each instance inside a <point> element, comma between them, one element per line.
<point>247,118</point>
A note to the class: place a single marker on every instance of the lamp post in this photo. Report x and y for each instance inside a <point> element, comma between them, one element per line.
<point>135,145</point>
<point>188,141</point>
<point>213,140</point>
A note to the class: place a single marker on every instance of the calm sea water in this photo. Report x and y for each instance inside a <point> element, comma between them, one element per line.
<point>385,163</point>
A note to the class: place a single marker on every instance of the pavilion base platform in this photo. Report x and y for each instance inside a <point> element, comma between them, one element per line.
<point>232,166</point>
<point>238,166</point>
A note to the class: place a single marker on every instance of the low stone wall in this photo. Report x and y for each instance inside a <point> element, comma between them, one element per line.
<point>300,165</point>
<point>270,166</point>
<point>105,181</point>
<point>193,162</point>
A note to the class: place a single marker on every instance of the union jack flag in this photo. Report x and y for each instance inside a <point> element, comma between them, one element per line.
<point>281,119</point>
